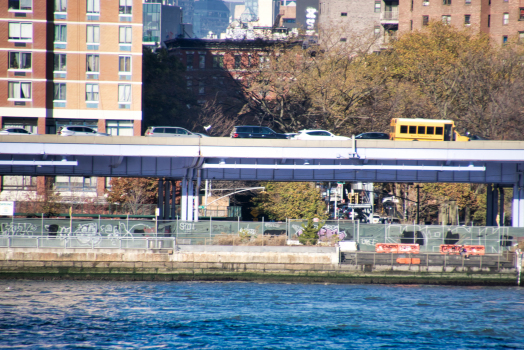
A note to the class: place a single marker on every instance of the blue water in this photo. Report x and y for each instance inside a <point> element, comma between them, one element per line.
<point>163,315</point>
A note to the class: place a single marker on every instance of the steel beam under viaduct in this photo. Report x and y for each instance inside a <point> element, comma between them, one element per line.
<point>500,163</point>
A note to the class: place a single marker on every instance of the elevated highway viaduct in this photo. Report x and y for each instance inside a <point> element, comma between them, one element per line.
<point>500,163</point>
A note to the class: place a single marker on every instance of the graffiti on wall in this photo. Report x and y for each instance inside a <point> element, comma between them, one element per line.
<point>326,232</point>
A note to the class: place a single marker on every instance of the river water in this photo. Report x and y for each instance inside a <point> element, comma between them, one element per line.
<point>196,315</point>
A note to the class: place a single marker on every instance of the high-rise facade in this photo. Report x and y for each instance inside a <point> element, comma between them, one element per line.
<point>71,62</point>
<point>500,19</point>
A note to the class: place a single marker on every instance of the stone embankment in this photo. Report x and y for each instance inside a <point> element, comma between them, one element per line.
<point>246,263</point>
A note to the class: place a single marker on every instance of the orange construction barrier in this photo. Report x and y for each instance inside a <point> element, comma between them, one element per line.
<point>412,261</point>
<point>397,248</point>
<point>455,249</point>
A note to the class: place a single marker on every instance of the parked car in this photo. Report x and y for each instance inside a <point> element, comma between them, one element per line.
<point>15,131</point>
<point>318,135</point>
<point>201,135</point>
<point>373,136</point>
<point>255,132</point>
<point>168,131</point>
<point>76,130</point>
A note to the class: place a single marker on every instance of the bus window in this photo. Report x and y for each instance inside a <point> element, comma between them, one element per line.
<point>431,130</point>
<point>412,129</point>
<point>403,129</point>
<point>439,130</point>
<point>421,130</point>
<point>448,131</point>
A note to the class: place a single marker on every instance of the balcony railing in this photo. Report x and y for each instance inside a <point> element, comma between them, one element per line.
<point>389,16</point>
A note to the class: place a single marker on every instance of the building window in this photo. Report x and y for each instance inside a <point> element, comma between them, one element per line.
<point>93,7</point>
<point>425,2</point>
<point>521,17</point>
<point>20,5</point>
<point>92,64</point>
<point>19,90</point>
<point>289,20</point>
<point>218,61</point>
<point>201,88</point>
<point>446,2</point>
<point>61,33</point>
<point>201,61</point>
<point>189,83</point>
<point>411,25</point>
<point>468,2</point>
<point>19,183</point>
<point>343,14</point>
<point>377,30</point>
<point>119,127</point>
<point>20,31</point>
<point>189,61</point>
<point>92,92</point>
<point>124,93</point>
<point>425,20</point>
<point>505,18</point>
<point>489,21</point>
<point>125,35</point>
<point>446,19</point>
<point>59,92</point>
<point>504,39</point>
<point>60,5</point>
<point>377,5</point>
<point>238,60</point>
<point>19,60</point>
<point>521,37</point>
<point>60,62</point>
<point>125,8</point>
<point>93,34</point>
<point>75,184</point>
<point>467,20</point>
<point>412,4</point>
<point>124,64</point>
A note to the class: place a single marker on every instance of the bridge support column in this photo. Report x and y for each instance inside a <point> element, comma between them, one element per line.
<point>491,205</point>
<point>183,200</point>
<point>167,197</point>
<point>190,200</point>
<point>160,202</point>
<point>173,201</point>
<point>518,206</point>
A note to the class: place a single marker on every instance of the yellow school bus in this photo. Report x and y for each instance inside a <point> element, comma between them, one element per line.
<point>405,129</point>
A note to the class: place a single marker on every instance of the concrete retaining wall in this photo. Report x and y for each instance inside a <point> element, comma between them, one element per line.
<point>246,263</point>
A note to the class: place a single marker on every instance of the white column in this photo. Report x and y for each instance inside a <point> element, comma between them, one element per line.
<point>183,200</point>
<point>518,206</point>
<point>190,200</point>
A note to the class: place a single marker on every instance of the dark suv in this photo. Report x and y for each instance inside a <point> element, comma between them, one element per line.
<point>255,132</point>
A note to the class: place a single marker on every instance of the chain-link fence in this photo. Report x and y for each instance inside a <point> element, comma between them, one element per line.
<point>126,233</point>
<point>430,237</point>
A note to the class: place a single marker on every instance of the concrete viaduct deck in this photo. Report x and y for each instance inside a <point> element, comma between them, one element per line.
<point>195,159</point>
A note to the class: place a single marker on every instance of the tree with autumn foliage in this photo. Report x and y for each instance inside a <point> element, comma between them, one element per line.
<point>291,200</point>
<point>133,193</point>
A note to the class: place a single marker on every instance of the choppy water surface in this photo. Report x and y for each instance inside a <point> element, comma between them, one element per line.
<point>127,315</point>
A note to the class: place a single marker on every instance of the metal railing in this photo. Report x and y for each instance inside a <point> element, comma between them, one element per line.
<point>89,242</point>
<point>389,15</point>
<point>495,239</point>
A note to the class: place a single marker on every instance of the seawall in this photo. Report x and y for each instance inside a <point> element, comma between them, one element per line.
<point>232,263</point>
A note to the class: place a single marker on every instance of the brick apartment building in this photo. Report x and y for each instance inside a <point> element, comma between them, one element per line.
<point>214,67</point>
<point>69,62</point>
<point>361,17</point>
<point>500,19</point>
